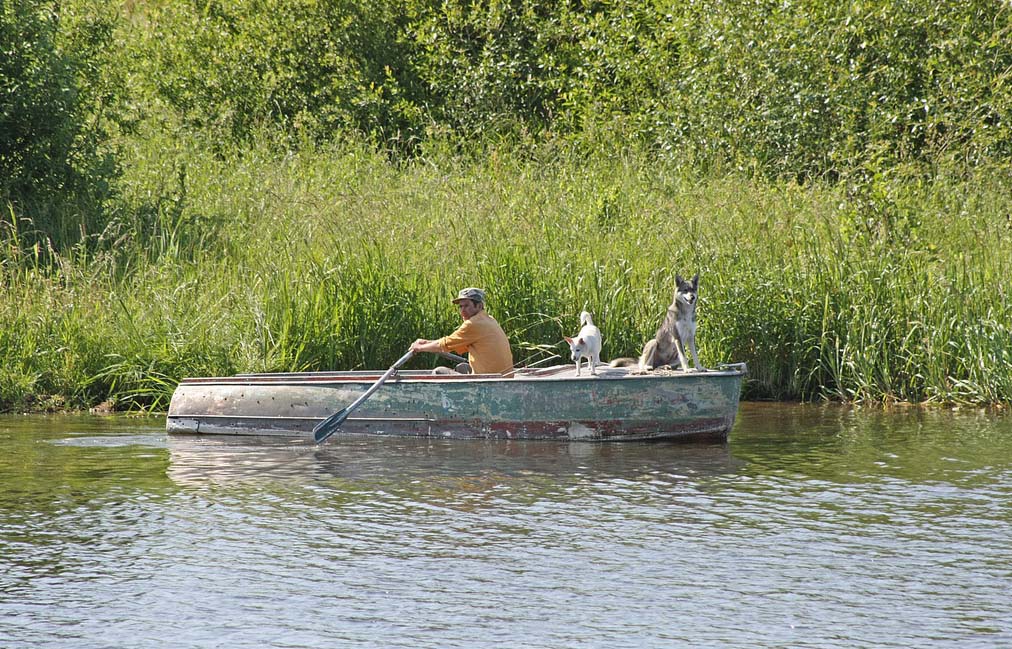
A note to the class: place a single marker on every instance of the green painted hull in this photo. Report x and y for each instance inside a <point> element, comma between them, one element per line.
<point>551,404</point>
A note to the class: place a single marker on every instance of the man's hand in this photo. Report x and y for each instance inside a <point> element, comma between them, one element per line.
<point>423,345</point>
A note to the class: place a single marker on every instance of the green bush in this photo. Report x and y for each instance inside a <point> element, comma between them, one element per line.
<point>314,70</point>
<point>804,89</point>
<point>55,170</point>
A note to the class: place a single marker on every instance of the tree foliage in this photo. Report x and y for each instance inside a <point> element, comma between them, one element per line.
<point>312,68</point>
<point>801,88</point>
<point>51,96</point>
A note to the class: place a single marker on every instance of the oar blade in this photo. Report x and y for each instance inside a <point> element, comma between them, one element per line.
<point>329,426</point>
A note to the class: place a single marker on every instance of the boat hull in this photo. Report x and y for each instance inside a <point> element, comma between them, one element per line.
<point>545,405</point>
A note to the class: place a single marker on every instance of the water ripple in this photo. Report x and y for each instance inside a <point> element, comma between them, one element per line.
<point>807,530</point>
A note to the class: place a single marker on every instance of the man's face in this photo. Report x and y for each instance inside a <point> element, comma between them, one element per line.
<point>467,308</point>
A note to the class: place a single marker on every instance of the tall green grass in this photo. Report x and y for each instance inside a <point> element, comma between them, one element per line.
<point>889,288</point>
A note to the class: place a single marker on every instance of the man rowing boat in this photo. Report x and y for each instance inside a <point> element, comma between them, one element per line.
<point>487,347</point>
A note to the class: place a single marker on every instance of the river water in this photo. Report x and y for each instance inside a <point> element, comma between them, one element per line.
<point>813,527</point>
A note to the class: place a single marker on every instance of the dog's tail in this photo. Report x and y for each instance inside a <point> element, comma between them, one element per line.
<point>585,319</point>
<point>624,361</point>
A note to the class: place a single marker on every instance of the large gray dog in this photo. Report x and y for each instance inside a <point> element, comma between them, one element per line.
<point>677,332</point>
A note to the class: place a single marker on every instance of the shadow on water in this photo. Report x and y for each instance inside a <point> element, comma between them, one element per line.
<point>63,460</point>
<point>845,444</point>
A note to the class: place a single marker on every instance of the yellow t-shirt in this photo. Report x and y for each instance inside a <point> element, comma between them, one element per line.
<point>488,349</point>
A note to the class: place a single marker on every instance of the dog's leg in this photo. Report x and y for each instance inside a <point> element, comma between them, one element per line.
<point>681,355</point>
<point>695,356</point>
<point>594,360</point>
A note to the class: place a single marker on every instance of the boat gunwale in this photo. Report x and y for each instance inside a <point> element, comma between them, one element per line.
<point>425,376</point>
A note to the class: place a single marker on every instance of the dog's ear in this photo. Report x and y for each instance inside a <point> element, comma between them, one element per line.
<point>695,281</point>
<point>678,279</point>
<point>580,341</point>
<point>568,339</point>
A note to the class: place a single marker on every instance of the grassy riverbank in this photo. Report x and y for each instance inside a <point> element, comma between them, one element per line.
<point>872,289</point>
<point>210,187</point>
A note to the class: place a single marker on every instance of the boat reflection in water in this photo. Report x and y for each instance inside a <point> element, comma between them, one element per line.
<point>372,461</point>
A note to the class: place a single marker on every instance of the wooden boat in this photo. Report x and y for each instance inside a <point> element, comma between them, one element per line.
<point>551,403</point>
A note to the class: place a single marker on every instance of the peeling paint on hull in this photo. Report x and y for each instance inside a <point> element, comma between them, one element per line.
<point>550,404</point>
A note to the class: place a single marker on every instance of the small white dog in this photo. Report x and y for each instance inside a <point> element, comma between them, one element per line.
<point>586,345</point>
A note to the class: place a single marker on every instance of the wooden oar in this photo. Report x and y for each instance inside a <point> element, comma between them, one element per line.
<point>329,426</point>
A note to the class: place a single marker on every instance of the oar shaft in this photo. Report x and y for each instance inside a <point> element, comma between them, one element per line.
<point>376,386</point>
<point>331,424</point>
<point>452,357</point>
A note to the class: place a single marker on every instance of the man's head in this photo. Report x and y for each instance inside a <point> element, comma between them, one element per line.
<point>470,301</point>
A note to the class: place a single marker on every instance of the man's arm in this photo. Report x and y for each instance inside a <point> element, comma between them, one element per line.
<point>423,345</point>
<point>460,340</point>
